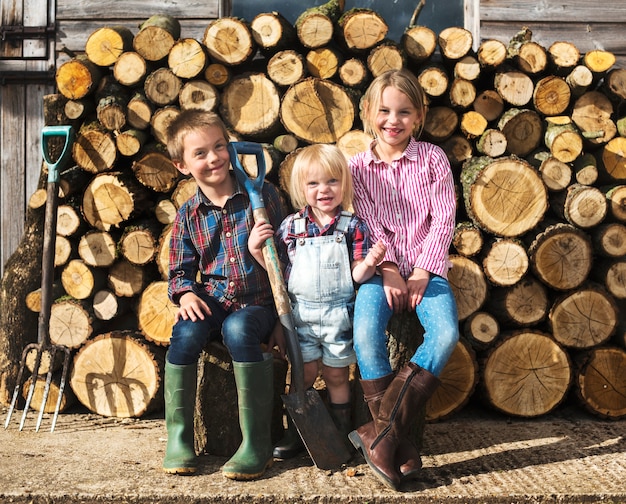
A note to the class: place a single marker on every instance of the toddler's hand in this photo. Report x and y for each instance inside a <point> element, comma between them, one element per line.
<point>376,254</point>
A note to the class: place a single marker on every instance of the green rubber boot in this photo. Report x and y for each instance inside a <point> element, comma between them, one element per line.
<point>180,401</point>
<point>255,395</point>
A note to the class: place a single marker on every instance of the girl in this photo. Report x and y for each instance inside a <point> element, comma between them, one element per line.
<point>405,192</point>
<point>325,249</point>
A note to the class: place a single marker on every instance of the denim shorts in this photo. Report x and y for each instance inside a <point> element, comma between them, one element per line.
<point>325,331</point>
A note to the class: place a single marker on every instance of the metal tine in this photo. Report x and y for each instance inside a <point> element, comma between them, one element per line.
<point>19,383</point>
<point>66,366</point>
<point>33,382</point>
<point>52,351</point>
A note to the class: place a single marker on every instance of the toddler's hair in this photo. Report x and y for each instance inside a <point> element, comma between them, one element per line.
<point>332,163</point>
<point>404,80</point>
<point>189,121</point>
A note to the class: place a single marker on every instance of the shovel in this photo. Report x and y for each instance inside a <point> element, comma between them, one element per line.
<point>43,344</point>
<point>305,407</point>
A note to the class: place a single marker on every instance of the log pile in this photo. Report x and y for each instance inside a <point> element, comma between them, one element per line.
<point>536,137</point>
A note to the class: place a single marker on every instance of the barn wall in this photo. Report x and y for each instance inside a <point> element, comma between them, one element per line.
<point>581,22</point>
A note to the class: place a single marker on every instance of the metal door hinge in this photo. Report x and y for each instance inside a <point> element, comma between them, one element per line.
<point>24,77</point>
<point>16,32</point>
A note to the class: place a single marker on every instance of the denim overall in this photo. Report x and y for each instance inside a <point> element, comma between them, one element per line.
<point>322,294</point>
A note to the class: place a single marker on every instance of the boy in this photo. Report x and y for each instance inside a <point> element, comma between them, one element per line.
<point>217,285</point>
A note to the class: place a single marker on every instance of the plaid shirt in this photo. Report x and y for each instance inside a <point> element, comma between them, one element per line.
<point>357,237</point>
<point>209,250</point>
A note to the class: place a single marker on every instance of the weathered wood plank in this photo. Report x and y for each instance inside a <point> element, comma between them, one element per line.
<point>566,11</point>
<point>12,176</point>
<point>104,10</point>
<point>34,124</point>
<point>586,36</point>
<point>35,14</point>
<point>11,14</point>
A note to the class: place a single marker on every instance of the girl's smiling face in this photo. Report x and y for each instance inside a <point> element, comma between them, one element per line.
<point>396,118</point>
<point>323,194</point>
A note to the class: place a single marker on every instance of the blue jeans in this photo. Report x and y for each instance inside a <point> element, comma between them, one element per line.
<point>437,313</point>
<point>242,332</point>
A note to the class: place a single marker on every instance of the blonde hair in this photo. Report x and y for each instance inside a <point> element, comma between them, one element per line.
<point>331,161</point>
<point>403,80</point>
<point>189,121</point>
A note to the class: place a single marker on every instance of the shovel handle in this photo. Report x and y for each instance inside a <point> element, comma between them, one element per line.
<point>270,255</point>
<point>50,222</point>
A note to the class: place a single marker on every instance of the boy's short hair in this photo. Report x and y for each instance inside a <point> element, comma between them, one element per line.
<point>188,121</point>
<point>331,161</point>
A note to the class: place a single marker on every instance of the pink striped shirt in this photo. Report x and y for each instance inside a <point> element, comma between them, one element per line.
<point>410,205</point>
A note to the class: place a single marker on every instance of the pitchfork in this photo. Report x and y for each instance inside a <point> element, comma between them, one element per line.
<point>43,345</point>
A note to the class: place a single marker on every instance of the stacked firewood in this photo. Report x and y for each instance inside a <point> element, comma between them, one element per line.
<point>535,136</point>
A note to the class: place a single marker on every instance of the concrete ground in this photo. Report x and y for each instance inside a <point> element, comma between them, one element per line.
<point>477,456</point>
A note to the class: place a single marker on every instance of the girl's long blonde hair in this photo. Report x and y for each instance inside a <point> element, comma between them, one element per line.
<point>404,80</point>
<point>331,161</point>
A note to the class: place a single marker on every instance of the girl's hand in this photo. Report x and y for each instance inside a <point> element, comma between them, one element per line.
<point>417,283</point>
<point>376,254</point>
<point>395,287</point>
<point>192,308</point>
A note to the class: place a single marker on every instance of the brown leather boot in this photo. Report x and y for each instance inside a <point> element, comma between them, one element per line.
<point>378,440</point>
<point>408,459</point>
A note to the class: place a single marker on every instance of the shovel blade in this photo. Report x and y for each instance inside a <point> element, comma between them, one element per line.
<point>315,426</point>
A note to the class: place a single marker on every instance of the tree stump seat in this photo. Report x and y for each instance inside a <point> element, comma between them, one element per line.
<point>216,422</point>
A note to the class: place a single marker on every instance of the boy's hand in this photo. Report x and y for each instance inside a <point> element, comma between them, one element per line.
<point>395,287</point>
<point>417,283</point>
<point>192,308</point>
<point>259,233</point>
<point>376,254</point>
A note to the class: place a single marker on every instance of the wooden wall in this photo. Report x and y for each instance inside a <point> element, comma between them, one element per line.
<point>21,115</point>
<point>587,24</point>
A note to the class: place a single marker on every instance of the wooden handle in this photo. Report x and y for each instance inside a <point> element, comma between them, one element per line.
<point>283,305</point>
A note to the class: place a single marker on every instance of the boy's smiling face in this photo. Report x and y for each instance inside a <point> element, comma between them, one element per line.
<point>206,159</point>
